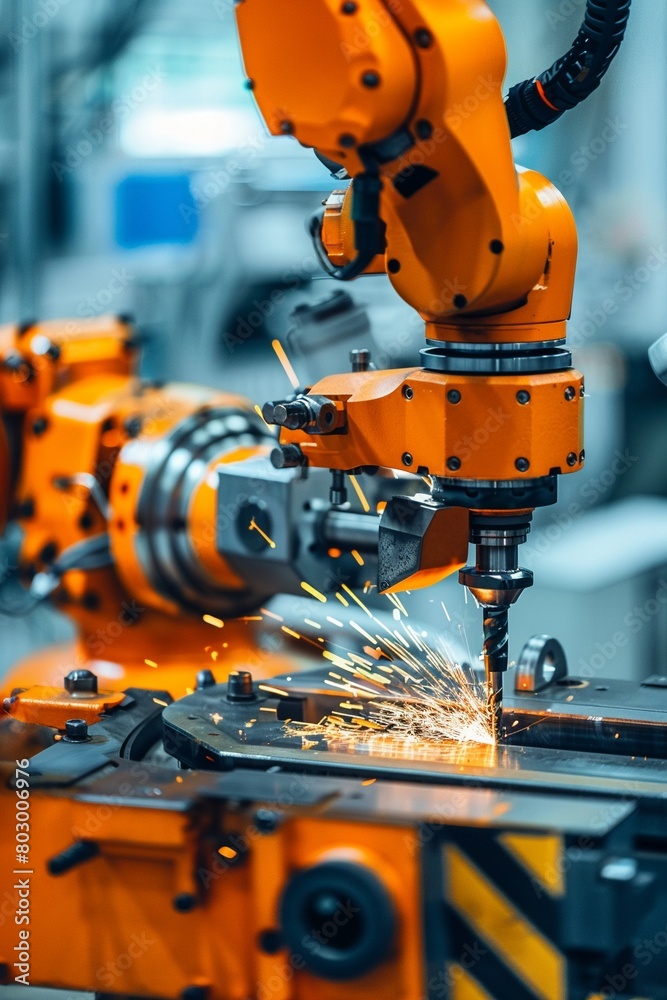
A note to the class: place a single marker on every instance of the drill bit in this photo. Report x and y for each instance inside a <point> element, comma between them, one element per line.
<point>496,641</point>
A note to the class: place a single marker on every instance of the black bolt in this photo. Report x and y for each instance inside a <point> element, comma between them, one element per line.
<point>423,38</point>
<point>454,463</point>
<point>582,456</point>
<point>132,426</point>
<point>86,521</point>
<point>570,393</point>
<point>424,129</point>
<point>523,397</point>
<point>393,266</point>
<point>25,508</point>
<point>48,553</point>
<point>408,392</point>
<point>360,359</point>
<point>39,425</point>
<point>292,414</point>
<point>349,7</point>
<point>205,679</point>
<point>270,941</point>
<point>572,459</point>
<point>496,246</point>
<point>76,731</point>
<point>266,820</point>
<point>249,84</point>
<point>239,686</point>
<point>77,681</point>
<point>287,127</point>
<point>287,456</point>
<point>195,993</point>
<point>407,458</point>
<point>460,301</point>
<point>371,79</point>
<point>184,902</point>
<point>522,464</point>
<point>338,489</point>
<point>454,396</point>
<point>346,140</point>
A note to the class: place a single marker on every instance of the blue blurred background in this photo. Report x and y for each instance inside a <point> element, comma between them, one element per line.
<point>136,177</point>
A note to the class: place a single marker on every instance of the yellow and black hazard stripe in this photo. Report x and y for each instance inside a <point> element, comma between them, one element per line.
<point>496,936</point>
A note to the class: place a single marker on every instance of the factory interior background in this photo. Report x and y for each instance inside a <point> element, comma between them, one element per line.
<point>136,177</point>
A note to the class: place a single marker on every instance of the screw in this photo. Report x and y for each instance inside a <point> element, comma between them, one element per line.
<point>570,393</point>
<point>454,396</point>
<point>266,820</point>
<point>522,464</point>
<point>39,425</point>
<point>270,941</point>
<point>407,458</point>
<point>523,397</point>
<point>287,127</point>
<point>371,79</point>
<point>205,679</point>
<point>132,426</point>
<point>393,266</point>
<point>287,456</point>
<point>460,302</point>
<point>454,463</point>
<point>76,731</point>
<point>423,38</point>
<point>572,459</point>
<point>360,359</point>
<point>78,681</point>
<point>349,7</point>
<point>496,246</point>
<point>424,129</point>
<point>184,902</point>
<point>346,140</point>
<point>239,686</point>
<point>408,392</point>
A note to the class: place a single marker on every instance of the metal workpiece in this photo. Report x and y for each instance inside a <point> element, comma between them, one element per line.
<point>277,526</point>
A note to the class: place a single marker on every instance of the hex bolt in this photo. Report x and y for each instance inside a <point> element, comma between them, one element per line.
<point>76,731</point>
<point>81,682</point>
<point>240,686</point>
<point>360,359</point>
<point>205,679</point>
<point>293,415</point>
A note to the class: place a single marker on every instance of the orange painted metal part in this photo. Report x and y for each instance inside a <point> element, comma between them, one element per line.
<point>81,410</point>
<point>118,907</point>
<point>52,706</point>
<point>466,234</point>
<point>488,430</point>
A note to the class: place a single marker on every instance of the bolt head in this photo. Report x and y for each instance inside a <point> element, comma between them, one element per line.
<point>522,464</point>
<point>572,459</point>
<point>523,397</point>
<point>408,392</point>
<point>76,731</point>
<point>570,393</point>
<point>454,463</point>
<point>81,681</point>
<point>454,396</point>
<point>407,458</point>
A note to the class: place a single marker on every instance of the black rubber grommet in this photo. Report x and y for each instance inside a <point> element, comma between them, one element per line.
<point>339,919</point>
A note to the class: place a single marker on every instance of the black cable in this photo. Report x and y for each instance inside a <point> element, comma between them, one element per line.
<point>536,103</point>
<point>369,229</point>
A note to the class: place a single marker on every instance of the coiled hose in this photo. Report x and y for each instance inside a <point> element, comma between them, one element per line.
<point>536,103</point>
